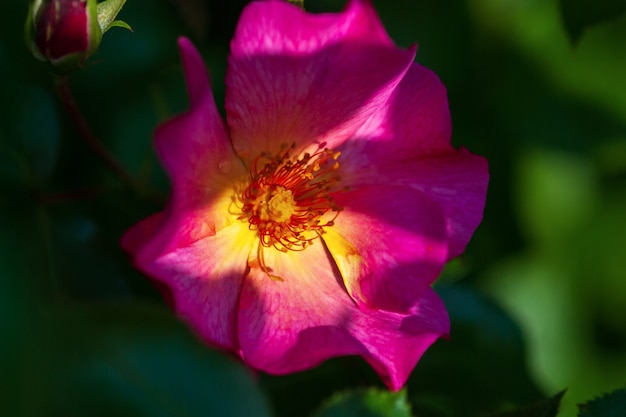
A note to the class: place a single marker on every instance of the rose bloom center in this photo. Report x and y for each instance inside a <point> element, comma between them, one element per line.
<point>289,200</point>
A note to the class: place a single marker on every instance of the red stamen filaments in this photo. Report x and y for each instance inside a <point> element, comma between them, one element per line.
<point>290,201</point>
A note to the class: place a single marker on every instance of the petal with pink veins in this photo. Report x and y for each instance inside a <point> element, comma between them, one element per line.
<point>409,144</point>
<point>194,147</point>
<point>414,123</point>
<point>205,280</point>
<point>140,233</point>
<point>302,78</point>
<point>196,153</point>
<point>396,342</point>
<point>456,180</point>
<point>296,322</point>
<point>389,243</point>
<point>307,317</point>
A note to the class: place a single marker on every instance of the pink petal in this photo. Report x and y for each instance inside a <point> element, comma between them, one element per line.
<point>276,27</point>
<point>196,77</point>
<point>194,147</point>
<point>408,144</point>
<point>456,180</point>
<point>390,244</point>
<point>415,121</point>
<point>197,247</point>
<point>297,77</point>
<point>205,279</point>
<point>196,153</point>
<point>140,233</point>
<point>294,324</point>
<point>396,342</point>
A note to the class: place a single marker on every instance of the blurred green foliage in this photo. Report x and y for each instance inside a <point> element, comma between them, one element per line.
<point>581,14</point>
<point>82,330</point>
<point>609,405</point>
<point>122,360</point>
<point>546,408</point>
<point>370,403</point>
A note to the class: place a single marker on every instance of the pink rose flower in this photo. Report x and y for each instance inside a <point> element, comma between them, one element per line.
<point>313,222</point>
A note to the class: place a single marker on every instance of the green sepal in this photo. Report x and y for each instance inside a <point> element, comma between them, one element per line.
<point>107,12</point>
<point>95,33</point>
<point>29,29</point>
<point>120,24</point>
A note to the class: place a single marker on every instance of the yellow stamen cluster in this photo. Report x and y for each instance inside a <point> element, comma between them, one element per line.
<point>290,201</point>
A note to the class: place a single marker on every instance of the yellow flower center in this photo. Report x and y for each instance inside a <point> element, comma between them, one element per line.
<point>289,201</point>
<point>278,205</point>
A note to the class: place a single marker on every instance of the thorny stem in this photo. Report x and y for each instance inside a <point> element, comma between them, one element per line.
<point>67,98</point>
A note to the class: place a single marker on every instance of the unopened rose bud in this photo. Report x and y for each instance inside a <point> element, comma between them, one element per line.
<point>67,32</point>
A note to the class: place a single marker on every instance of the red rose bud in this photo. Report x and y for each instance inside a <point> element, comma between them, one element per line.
<point>67,32</point>
<point>63,32</point>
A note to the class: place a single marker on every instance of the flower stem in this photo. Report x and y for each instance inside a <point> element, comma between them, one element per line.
<point>67,98</point>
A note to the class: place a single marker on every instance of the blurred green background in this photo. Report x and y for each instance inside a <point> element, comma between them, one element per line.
<point>538,301</point>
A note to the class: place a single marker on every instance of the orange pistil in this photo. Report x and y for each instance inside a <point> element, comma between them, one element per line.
<point>290,201</point>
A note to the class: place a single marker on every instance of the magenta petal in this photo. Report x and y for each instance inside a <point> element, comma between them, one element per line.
<point>414,123</point>
<point>396,342</point>
<point>140,233</point>
<point>456,180</point>
<point>194,147</point>
<point>294,324</point>
<point>276,27</point>
<point>390,244</point>
<point>196,79</point>
<point>408,144</point>
<point>297,77</point>
<point>196,153</point>
<point>205,279</point>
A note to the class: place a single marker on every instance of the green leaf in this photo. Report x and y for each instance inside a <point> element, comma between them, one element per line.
<point>547,408</point>
<point>320,383</point>
<point>366,403</point>
<point>578,15</point>
<point>609,405</point>
<point>130,360</point>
